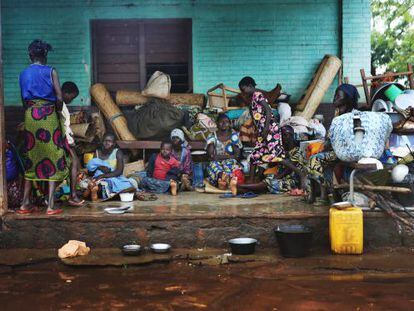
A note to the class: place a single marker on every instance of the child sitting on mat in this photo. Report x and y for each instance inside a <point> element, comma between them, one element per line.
<point>163,172</point>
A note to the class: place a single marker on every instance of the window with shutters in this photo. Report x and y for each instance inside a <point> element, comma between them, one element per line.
<point>127,52</point>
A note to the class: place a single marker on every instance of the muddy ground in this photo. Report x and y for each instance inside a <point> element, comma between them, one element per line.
<point>205,279</point>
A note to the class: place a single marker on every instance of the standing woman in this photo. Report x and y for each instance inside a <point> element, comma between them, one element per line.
<point>45,144</point>
<point>268,147</point>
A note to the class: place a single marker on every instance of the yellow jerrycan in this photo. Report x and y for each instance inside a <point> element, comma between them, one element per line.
<point>346,230</point>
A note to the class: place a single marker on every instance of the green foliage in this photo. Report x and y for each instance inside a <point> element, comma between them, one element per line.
<point>392,38</point>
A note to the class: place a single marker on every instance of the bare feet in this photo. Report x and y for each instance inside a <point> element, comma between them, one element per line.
<point>186,183</point>
<point>222,184</point>
<point>233,186</point>
<point>75,201</point>
<point>94,192</point>
<point>173,187</point>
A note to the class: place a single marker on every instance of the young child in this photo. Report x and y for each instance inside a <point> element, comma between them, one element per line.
<point>163,171</point>
<point>69,92</point>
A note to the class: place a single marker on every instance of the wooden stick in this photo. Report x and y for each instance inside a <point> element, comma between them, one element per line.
<point>375,188</point>
<point>410,76</point>
<point>366,90</point>
<point>391,74</point>
<point>382,203</point>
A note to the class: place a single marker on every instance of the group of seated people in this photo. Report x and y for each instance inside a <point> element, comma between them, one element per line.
<point>276,163</point>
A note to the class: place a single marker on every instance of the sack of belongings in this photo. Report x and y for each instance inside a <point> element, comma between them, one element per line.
<point>158,85</point>
<point>155,119</point>
<point>376,128</point>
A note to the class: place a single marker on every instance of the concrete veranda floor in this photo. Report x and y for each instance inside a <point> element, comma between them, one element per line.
<point>196,205</point>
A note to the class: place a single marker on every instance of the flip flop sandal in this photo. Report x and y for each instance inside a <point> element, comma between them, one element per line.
<point>247,195</point>
<point>54,212</point>
<point>147,197</point>
<point>76,204</point>
<point>227,196</point>
<point>152,197</point>
<point>32,209</point>
<point>24,211</point>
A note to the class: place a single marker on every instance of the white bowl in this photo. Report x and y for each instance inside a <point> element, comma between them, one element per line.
<point>114,211</point>
<point>242,241</point>
<point>126,197</point>
<point>160,247</point>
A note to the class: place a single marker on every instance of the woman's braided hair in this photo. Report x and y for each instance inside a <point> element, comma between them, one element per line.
<point>39,48</point>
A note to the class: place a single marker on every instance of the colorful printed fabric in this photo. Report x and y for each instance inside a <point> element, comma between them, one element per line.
<point>318,167</point>
<point>377,126</point>
<point>216,168</point>
<point>248,133</point>
<point>14,194</point>
<point>290,181</point>
<point>225,147</point>
<point>267,149</point>
<point>45,144</point>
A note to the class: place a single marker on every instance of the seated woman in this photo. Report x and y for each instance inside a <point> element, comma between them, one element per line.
<point>224,149</point>
<point>106,168</point>
<point>163,172</point>
<point>288,174</point>
<point>345,100</point>
<point>181,152</point>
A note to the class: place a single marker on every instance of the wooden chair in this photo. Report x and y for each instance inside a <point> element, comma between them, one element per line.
<point>220,95</point>
<point>365,79</point>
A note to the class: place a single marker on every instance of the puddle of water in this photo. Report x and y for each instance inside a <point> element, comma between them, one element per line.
<point>177,286</point>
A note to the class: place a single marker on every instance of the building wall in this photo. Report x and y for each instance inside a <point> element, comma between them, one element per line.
<point>275,41</point>
<point>356,37</point>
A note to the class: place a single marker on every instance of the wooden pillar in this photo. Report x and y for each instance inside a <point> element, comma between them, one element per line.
<point>3,184</point>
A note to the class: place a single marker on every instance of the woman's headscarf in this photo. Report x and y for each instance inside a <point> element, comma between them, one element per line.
<point>178,133</point>
<point>351,92</point>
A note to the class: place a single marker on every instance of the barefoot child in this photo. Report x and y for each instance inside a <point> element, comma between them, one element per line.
<point>69,92</point>
<point>163,172</point>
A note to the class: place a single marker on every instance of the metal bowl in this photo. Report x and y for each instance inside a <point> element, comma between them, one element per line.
<point>160,248</point>
<point>131,249</point>
<point>242,246</point>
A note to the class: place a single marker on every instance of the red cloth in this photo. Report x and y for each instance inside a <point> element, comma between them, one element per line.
<point>240,176</point>
<point>162,166</point>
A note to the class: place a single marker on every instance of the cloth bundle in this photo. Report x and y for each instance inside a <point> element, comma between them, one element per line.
<point>377,126</point>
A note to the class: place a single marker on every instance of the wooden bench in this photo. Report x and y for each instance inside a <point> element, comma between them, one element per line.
<point>154,145</point>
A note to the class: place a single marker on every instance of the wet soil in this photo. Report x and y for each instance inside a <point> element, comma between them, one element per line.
<point>181,285</point>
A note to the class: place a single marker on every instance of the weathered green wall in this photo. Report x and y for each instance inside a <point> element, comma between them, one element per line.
<point>273,41</point>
